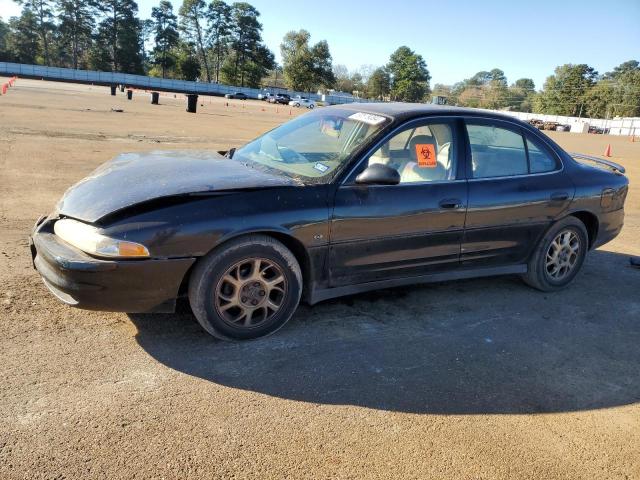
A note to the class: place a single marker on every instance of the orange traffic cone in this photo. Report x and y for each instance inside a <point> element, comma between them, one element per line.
<point>607,152</point>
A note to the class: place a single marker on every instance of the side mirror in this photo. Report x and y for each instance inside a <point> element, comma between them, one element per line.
<point>379,174</point>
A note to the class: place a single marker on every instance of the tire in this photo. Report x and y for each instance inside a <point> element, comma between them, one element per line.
<point>297,105</point>
<point>565,243</point>
<point>235,289</point>
<point>311,106</point>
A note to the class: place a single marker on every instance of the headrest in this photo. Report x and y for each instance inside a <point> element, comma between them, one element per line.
<point>420,140</point>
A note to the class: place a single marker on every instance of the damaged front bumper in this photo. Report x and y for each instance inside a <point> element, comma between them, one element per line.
<point>83,281</point>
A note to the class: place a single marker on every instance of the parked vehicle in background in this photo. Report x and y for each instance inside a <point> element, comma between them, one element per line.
<point>534,122</point>
<point>266,96</point>
<point>341,200</point>
<point>281,98</point>
<point>302,102</point>
<point>237,96</point>
<point>550,125</point>
<point>598,130</point>
<point>563,128</point>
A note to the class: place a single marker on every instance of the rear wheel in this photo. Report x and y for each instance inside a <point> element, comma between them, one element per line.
<point>246,289</point>
<point>559,256</point>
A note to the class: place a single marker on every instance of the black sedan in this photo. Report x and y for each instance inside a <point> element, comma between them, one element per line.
<point>341,200</point>
<point>237,96</point>
<point>281,98</point>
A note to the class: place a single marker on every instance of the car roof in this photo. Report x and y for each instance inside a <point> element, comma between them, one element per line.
<point>404,111</point>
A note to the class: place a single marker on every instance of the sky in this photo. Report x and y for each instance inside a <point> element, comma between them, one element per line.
<point>457,38</point>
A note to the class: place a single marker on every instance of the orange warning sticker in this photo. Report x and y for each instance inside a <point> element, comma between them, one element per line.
<point>426,155</point>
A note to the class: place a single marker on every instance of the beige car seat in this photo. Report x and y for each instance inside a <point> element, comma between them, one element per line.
<point>412,172</point>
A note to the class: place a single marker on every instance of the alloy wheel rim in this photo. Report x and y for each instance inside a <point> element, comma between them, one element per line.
<point>562,255</point>
<point>250,292</point>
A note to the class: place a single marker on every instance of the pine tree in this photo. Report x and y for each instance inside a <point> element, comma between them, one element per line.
<point>43,13</point>
<point>77,20</point>
<point>193,22</point>
<point>219,16</point>
<point>120,32</point>
<point>165,35</point>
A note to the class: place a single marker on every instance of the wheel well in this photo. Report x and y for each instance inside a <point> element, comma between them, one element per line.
<point>301,254</point>
<point>295,246</point>
<point>590,222</point>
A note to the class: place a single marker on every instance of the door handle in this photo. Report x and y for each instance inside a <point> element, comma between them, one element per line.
<point>559,196</point>
<point>450,203</point>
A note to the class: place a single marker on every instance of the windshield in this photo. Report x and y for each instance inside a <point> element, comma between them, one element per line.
<point>312,147</point>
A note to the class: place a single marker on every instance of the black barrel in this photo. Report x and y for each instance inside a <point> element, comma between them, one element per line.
<point>192,102</point>
<point>129,94</point>
<point>155,96</point>
<point>113,90</point>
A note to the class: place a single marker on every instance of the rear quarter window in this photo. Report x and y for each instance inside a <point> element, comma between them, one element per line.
<point>540,159</point>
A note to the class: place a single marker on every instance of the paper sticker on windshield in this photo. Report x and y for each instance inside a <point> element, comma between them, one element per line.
<point>426,155</point>
<point>367,118</point>
<point>321,167</point>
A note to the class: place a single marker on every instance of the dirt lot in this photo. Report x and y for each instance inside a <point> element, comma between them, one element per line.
<point>477,379</point>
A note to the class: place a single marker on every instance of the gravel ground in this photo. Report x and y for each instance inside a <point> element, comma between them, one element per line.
<point>478,379</point>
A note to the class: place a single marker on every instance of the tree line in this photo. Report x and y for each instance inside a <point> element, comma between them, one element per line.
<point>215,41</point>
<point>573,90</point>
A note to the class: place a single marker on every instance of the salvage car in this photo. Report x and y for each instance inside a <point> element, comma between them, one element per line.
<point>237,96</point>
<point>338,201</point>
<point>280,98</point>
<point>302,102</point>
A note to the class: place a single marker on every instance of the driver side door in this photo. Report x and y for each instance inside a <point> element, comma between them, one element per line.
<point>381,232</point>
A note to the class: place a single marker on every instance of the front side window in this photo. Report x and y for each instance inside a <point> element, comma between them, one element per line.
<point>496,152</point>
<point>312,147</point>
<point>423,153</point>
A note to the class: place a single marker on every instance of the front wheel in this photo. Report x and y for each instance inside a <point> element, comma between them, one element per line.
<point>311,106</point>
<point>297,105</point>
<point>559,256</point>
<point>248,288</point>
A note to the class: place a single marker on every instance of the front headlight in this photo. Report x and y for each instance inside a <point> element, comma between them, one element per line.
<point>86,238</point>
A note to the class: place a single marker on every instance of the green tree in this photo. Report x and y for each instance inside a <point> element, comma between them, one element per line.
<point>117,45</point>
<point>193,22</point>
<point>625,67</point>
<point>306,68</point>
<point>521,95</point>
<point>219,16</point>
<point>146,31</point>
<point>246,37</point>
<point>617,94</point>
<point>525,84</point>
<point>77,21</point>
<point>379,84</point>
<point>599,97</point>
<point>322,65</point>
<point>409,75</point>
<point>165,31</point>
<point>187,62</point>
<point>564,92</point>
<point>43,12</point>
<point>23,41</point>
<point>4,39</point>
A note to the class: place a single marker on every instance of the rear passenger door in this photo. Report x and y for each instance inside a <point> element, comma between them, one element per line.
<point>517,187</point>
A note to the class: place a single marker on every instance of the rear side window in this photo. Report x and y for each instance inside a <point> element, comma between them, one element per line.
<point>496,152</point>
<point>540,161</point>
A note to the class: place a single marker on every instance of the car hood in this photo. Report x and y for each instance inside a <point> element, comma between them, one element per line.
<point>134,178</point>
